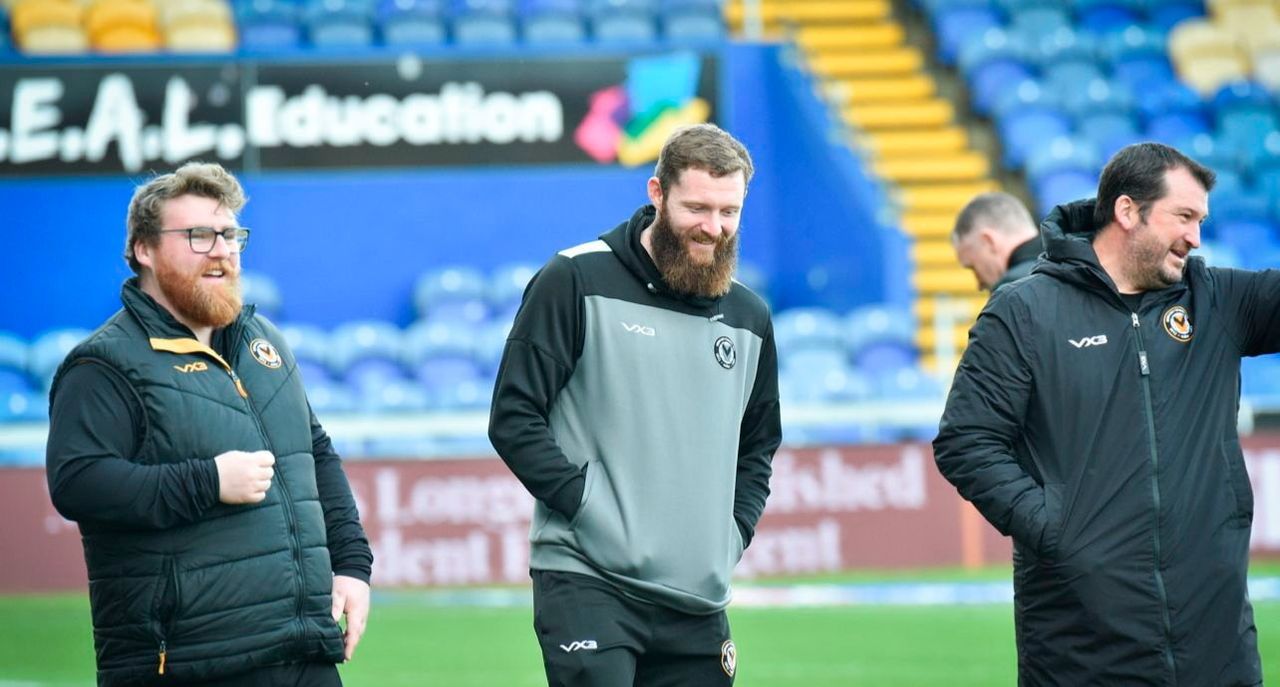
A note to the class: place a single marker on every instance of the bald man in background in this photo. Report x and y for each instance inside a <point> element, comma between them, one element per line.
<point>996,239</point>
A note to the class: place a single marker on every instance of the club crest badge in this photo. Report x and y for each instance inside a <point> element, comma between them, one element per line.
<point>265,353</point>
<point>1177,323</point>
<point>729,657</point>
<point>726,353</point>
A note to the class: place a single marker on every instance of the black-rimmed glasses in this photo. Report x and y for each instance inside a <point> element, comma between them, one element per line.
<point>202,239</point>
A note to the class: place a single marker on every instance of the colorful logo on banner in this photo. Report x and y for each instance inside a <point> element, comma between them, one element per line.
<point>628,123</point>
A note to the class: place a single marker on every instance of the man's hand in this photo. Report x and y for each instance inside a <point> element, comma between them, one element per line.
<point>351,598</point>
<point>244,477</point>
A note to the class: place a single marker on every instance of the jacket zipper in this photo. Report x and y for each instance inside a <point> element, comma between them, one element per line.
<point>295,543</point>
<point>166,621</point>
<point>1144,368</point>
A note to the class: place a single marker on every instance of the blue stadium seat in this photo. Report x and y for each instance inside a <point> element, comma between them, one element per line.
<point>1260,380</point>
<point>875,324</point>
<point>1063,153</point>
<point>1108,132</point>
<point>1063,186</point>
<point>1099,95</point>
<point>412,22</point>
<point>13,352</point>
<point>475,393</point>
<point>1165,14</point>
<point>268,25</point>
<point>952,25</point>
<point>24,406</point>
<point>1025,130</point>
<point>47,351</point>
<point>363,342</point>
<point>14,381</point>
<point>1177,126</point>
<point>990,81</point>
<point>1168,97</point>
<point>394,396</point>
<point>1038,21</point>
<point>816,357</point>
<point>490,342</point>
<point>1067,74</point>
<point>553,22</point>
<point>623,22</point>
<point>441,354</point>
<point>1102,17</point>
<point>330,398</point>
<point>692,21</point>
<point>824,384</point>
<point>484,22</point>
<point>452,294</point>
<point>339,23</point>
<point>261,290</point>
<point>1061,45</point>
<point>800,328</point>
<point>907,383</point>
<point>506,286</point>
<point>310,346</point>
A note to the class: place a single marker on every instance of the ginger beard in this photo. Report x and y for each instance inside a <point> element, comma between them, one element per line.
<point>204,305</point>
<point>685,273</point>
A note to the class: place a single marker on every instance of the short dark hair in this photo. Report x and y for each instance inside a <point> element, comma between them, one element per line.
<point>996,209</point>
<point>1138,171</point>
<point>702,146</point>
<point>203,179</point>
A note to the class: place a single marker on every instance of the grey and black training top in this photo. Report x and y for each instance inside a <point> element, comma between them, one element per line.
<point>643,421</point>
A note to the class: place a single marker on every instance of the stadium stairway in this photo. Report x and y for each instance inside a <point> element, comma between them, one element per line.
<point>908,134</point>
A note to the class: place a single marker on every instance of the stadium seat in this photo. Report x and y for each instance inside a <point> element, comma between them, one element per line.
<point>553,22</point>
<point>13,352</point>
<point>339,23</point>
<point>819,357</point>
<point>412,22</point>
<point>1177,126</point>
<point>361,341</point>
<point>122,26</point>
<point>269,25</point>
<point>490,342</point>
<point>471,394</point>
<point>873,324</point>
<point>453,294</point>
<point>47,351</point>
<point>1093,97</point>
<point>484,22</point>
<point>1105,16</point>
<point>952,25</point>
<point>692,21</point>
<point>825,384</point>
<point>1062,186</point>
<point>1108,132</point>
<point>310,344</point>
<point>393,396</point>
<point>328,397</point>
<point>1024,130</point>
<point>1063,75</point>
<point>1165,14</point>
<point>506,285</point>
<point>800,328</point>
<point>261,290</point>
<point>623,22</point>
<point>441,354</point>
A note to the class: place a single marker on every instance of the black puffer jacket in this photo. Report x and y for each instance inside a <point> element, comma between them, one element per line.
<point>181,585</point>
<point>1104,442</point>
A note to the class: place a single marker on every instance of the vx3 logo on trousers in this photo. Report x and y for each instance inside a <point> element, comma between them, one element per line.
<point>639,329</point>
<point>1099,340</point>
<point>589,644</point>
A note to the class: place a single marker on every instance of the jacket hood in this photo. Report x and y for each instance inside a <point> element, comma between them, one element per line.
<point>1068,232</point>
<point>624,240</point>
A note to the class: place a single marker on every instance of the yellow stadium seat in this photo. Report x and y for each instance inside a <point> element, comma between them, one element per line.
<point>126,39</point>
<point>1207,74</point>
<point>1196,38</point>
<point>200,38</point>
<point>30,14</point>
<point>108,16</point>
<point>53,39</point>
<point>206,12</point>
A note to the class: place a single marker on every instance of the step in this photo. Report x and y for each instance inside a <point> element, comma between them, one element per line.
<point>934,112</point>
<point>881,62</point>
<point>952,167</point>
<point>933,253</point>
<point>851,37</point>
<point>926,141</point>
<point>923,224</point>
<point>926,337</point>
<point>815,11</point>
<point>965,307</point>
<point>956,280</point>
<point>873,90</point>
<point>948,197</point>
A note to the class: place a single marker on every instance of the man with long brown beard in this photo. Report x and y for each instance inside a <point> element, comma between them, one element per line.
<point>220,533</point>
<point>637,400</point>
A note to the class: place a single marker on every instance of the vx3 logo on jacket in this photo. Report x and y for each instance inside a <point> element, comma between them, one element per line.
<point>1099,340</point>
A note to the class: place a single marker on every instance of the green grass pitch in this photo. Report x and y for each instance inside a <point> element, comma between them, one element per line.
<point>45,640</point>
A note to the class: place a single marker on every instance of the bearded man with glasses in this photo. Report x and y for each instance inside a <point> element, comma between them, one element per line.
<point>220,532</point>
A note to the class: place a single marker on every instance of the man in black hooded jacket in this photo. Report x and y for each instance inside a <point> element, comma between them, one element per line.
<point>1093,420</point>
